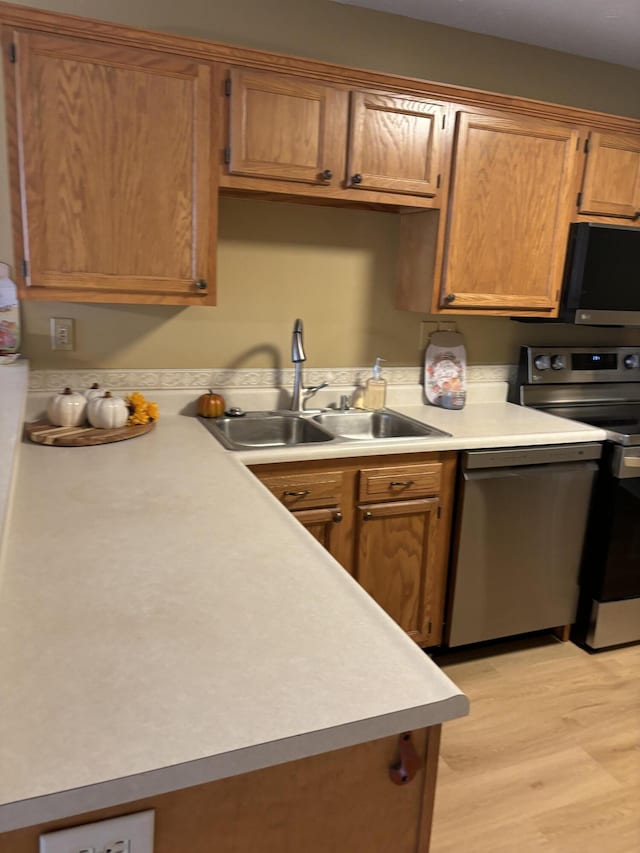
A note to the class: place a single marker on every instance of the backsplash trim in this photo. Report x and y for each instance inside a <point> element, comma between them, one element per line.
<point>52,380</point>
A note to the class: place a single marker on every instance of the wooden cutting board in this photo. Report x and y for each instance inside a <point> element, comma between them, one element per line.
<point>43,433</point>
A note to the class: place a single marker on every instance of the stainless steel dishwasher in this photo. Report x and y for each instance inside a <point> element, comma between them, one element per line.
<point>520,527</point>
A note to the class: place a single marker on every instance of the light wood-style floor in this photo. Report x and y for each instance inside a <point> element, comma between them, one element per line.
<point>549,759</point>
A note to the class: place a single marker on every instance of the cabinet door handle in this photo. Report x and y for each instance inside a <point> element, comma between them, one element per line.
<point>327,174</point>
<point>356,179</point>
<point>636,215</point>
<point>201,284</point>
<point>402,483</point>
<point>299,494</point>
<point>367,516</point>
<point>405,770</point>
<point>337,517</point>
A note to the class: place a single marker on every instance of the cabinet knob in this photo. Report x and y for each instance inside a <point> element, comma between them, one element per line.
<point>367,516</point>
<point>337,517</point>
<point>356,179</point>
<point>636,215</point>
<point>450,297</point>
<point>327,175</point>
<point>201,284</point>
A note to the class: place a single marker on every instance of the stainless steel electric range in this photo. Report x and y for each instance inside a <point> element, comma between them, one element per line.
<point>599,386</point>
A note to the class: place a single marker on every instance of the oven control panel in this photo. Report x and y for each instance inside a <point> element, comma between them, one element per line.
<point>559,365</point>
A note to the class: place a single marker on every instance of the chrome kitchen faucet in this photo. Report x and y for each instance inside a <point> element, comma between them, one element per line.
<point>300,393</point>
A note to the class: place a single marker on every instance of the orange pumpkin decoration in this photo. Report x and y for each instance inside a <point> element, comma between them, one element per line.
<point>211,405</point>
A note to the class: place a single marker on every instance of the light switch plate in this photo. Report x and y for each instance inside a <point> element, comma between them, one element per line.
<point>61,333</point>
<point>130,834</point>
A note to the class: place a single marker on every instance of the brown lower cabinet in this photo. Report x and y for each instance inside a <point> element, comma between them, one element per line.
<point>387,520</point>
<point>342,801</point>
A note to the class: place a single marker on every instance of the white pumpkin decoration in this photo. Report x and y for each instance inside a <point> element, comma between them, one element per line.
<point>94,391</point>
<point>67,409</point>
<point>108,412</point>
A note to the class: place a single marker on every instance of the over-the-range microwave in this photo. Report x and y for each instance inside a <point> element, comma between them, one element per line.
<point>602,276</point>
<point>601,285</point>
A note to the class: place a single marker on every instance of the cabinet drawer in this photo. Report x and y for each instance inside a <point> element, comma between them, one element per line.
<point>400,482</point>
<point>306,491</point>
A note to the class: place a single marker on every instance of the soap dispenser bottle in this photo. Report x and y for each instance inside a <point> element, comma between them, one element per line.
<point>375,393</point>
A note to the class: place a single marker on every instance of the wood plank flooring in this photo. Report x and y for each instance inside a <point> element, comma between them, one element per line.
<point>549,759</point>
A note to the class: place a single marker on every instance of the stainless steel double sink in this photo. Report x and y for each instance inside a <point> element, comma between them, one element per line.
<point>262,430</point>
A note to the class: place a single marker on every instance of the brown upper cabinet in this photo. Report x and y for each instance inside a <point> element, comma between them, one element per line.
<point>509,213</point>
<point>500,247</point>
<point>611,185</point>
<point>395,144</point>
<point>112,172</point>
<point>120,140</point>
<point>285,128</point>
<point>332,142</point>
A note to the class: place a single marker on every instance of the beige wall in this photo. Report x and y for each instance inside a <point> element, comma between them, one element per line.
<point>334,268</point>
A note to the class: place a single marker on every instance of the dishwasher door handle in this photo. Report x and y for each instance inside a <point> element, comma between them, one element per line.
<point>526,470</point>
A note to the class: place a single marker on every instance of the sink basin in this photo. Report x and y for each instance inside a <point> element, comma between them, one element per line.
<point>257,430</point>
<point>374,425</point>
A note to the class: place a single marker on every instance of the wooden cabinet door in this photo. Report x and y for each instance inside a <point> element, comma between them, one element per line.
<point>286,128</point>
<point>509,214</point>
<point>322,525</point>
<point>611,184</point>
<point>395,560</point>
<point>115,172</point>
<point>395,143</point>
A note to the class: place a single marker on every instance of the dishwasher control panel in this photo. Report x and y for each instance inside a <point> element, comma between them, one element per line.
<point>543,455</point>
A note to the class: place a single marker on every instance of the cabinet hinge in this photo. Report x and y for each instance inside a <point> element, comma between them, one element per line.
<point>579,200</point>
<point>25,268</point>
<point>438,182</point>
<point>586,145</point>
<point>227,154</point>
<point>227,86</point>
<point>12,53</point>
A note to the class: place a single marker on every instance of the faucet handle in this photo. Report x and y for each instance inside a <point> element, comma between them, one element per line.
<point>307,393</point>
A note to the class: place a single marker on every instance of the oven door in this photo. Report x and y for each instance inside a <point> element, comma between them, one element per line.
<point>615,530</point>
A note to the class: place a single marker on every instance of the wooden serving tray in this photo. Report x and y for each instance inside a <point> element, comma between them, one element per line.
<point>43,433</point>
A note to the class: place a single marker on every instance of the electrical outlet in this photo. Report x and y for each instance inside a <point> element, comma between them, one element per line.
<point>130,834</point>
<point>427,328</point>
<point>61,332</point>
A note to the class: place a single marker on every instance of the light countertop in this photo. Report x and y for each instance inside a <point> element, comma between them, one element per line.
<point>164,621</point>
<point>13,388</point>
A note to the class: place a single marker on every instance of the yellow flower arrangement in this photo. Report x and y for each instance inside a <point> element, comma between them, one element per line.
<point>141,411</point>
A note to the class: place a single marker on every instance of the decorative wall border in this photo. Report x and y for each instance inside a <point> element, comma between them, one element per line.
<point>168,380</point>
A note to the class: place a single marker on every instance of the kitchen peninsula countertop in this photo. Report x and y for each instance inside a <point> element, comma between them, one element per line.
<point>165,622</point>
